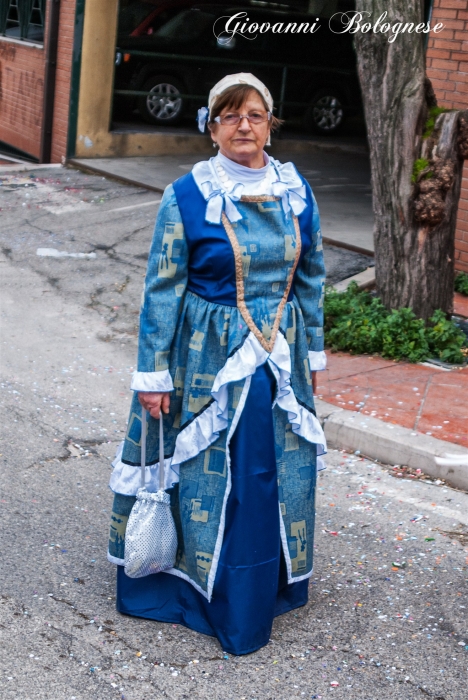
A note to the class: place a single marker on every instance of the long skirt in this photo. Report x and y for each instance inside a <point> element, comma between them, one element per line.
<point>251,584</point>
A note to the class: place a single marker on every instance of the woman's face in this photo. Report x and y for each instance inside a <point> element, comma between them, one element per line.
<point>243,142</point>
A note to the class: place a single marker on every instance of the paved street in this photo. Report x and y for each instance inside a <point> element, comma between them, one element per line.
<point>387,610</point>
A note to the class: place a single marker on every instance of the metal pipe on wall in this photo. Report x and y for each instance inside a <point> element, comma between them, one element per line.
<point>49,81</point>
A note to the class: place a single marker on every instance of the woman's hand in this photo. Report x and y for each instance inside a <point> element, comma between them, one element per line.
<point>314,382</point>
<point>154,401</point>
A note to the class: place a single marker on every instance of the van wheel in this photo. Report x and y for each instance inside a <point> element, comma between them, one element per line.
<point>163,104</point>
<point>325,113</point>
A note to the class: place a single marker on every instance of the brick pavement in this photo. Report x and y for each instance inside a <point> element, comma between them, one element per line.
<point>425,399</point>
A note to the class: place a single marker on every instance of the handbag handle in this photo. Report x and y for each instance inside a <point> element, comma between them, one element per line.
<point>143,451</point>
<point>162,465</point>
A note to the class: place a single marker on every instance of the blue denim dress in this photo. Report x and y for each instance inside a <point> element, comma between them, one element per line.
<point>229,316</point>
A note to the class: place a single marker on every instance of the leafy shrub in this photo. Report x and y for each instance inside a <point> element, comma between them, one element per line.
<point>445,339</point>
<point>358,322</point>
<point>461,283</point>
<point>404,336</point>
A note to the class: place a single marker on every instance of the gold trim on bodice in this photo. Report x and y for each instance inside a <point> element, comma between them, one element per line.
<point>241,305</point>
<point>258,198</point>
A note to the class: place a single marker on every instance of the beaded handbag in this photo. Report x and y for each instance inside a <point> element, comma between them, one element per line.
<point>151,538</point>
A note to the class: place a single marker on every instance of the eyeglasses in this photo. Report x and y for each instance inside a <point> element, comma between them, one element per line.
<point>232,118</point>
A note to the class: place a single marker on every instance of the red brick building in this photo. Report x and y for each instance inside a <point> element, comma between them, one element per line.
<point>23,76</point>
<point>447,67</point>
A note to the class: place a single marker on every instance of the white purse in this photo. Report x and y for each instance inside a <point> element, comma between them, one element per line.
<point>151,537</point>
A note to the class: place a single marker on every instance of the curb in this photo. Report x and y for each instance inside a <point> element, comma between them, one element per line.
<point>390,444</point>
<point>348,246</point>
<point>364,280</point>
<point>23,167</point>
<point>88,167</point>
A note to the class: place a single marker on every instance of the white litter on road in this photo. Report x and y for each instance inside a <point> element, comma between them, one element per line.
<point>54,253</point>
<point>135,206</point>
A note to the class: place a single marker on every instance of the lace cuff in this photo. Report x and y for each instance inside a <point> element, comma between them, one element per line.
<point>152,381</point>
<point>317,360</point>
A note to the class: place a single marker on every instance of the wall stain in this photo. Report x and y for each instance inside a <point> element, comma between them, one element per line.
<point>24,89</point>
<point>7,52</point>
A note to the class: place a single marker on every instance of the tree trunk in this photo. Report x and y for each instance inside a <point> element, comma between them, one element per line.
<point>415,210</point>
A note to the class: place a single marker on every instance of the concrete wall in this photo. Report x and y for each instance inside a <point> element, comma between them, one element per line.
<point>96,80</point>
<point>94,140</point>
<point>447,67</point>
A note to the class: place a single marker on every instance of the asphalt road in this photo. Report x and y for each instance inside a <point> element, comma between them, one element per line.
<point>387,610</point>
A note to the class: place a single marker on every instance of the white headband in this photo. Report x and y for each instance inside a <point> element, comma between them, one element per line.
<point>224,84</point>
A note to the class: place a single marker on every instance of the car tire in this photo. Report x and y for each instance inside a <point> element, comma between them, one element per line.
<point>162,106</point>
<point>325,113</point>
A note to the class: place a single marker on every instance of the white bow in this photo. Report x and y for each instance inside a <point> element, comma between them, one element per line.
<point>217,199</point>
<point>202,117</point>
<point>289,187</point>
<point>291,197</point>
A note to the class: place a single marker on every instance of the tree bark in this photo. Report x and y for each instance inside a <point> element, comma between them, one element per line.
<point>414,221</point>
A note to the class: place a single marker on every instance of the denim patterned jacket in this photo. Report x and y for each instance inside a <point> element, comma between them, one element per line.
<point>220,300</point>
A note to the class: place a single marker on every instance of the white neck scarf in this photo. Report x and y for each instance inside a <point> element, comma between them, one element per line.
<point>222,182</point>
<point>241,173</point>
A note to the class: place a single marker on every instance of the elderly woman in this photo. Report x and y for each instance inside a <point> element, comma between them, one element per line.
<point>230,339</point>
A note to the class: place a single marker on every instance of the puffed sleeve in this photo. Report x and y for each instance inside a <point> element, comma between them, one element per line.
<point>166,280</point>
<point>310,292</point>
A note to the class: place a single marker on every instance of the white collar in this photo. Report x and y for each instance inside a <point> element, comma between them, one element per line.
<point>229,170</point>
<point>222,181</point>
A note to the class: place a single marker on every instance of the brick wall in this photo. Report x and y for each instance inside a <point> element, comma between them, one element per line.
<point>447,67</point>
<point>461,242</point>
<point>22,89</point>
<point>63,80</point>
<point>21,95</point>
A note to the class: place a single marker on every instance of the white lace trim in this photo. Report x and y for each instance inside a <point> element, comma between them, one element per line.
<point>201,432</point>
<point>152,381</point>
<point>125,478</point>
<point>317,360</point>
<point>281,180</point>
<point>222,521</point>
<point>303,422</point>
<point>287,557</point>
<point>115,560</point>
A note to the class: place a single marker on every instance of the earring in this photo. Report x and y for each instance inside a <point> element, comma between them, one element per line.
<point>215,145</point>
<point>268,141</point>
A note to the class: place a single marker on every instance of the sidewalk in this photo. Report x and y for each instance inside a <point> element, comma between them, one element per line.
<point>338,171</point>
<point>398,413</point>
<point>460,305</point>
<point>425,399</point>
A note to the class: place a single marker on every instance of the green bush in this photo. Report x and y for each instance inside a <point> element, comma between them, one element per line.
<point>359,323</point>
<point>461,283</point>
<point>445,339</point>
<point>404,336</point>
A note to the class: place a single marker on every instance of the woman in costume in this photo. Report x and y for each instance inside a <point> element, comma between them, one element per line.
<point>230,339</point>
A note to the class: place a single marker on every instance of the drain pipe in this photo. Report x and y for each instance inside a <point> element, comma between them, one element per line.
<point>49,81</point>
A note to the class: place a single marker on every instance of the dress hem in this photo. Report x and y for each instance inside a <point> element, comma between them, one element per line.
<point>195,628</point>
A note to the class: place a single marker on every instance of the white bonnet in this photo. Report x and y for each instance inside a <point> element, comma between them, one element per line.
<point>227,82</point>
